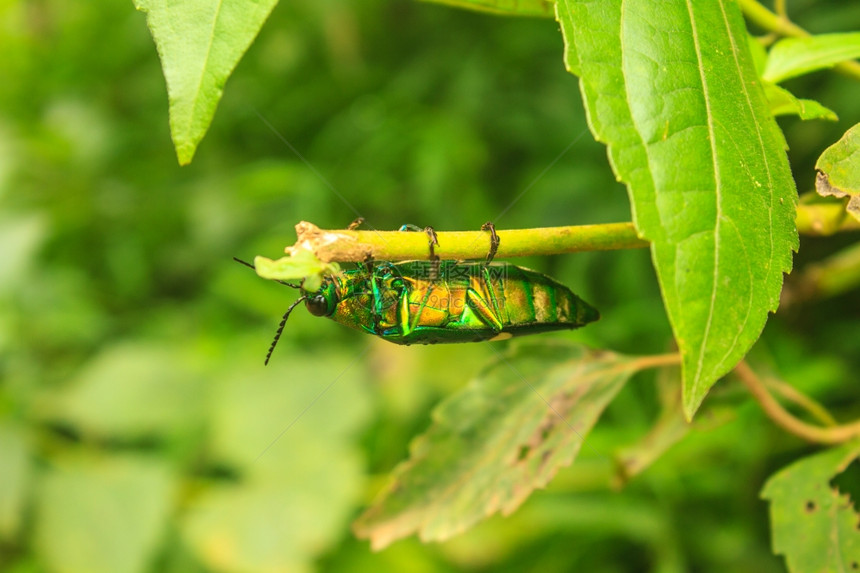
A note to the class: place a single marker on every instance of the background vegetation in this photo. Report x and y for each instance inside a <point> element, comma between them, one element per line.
<point>139,430</point>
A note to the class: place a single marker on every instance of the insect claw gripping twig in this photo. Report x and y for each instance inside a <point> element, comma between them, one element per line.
<point>433,240</point>
<point>355,224</point>
<point>368,264</point>
<point>494,240</point>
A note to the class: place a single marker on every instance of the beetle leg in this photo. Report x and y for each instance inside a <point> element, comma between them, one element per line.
<point>494,240</point>
<point>406,325</point>
<point>368,264</point>
<point>480,307</point>
<point>355,224</point>
<point>433,240</point>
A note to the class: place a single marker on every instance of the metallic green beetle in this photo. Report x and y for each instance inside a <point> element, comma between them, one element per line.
<point>465,302</point>
<point>428,302</point>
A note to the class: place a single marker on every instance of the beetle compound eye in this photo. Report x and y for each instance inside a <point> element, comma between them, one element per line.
<point>317,305</point>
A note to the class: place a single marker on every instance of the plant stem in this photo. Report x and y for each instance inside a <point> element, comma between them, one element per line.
<point>833,276</point>
<point>344,245</point>
<point>771,22</point>
<point>784,419</point>
<point>657,360</point>
<point>821,217</point>
<point>358,246</point>
<point>792,394</point>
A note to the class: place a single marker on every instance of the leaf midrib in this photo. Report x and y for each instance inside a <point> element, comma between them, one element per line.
<point>718,192</point>
<point>770,183</point>
<point>205,66</point>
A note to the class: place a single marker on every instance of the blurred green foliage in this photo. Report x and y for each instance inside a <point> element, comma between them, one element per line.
<point>140,431</point>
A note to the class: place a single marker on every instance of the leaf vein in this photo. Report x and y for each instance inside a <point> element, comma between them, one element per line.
<point>205,66</point>
<point>697,379</point>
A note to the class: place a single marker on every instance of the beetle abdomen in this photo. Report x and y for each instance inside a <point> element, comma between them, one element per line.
<point>473,302</point>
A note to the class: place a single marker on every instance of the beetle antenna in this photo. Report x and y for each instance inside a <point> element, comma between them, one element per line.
<point>250,266</point>
<point>281,329</point>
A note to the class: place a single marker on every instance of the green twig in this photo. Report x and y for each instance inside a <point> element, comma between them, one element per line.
<point>348,245</point>
<point>792,394</point>
<point>781,25</point>
<point>783,418</point>
<point>823,216</point>
<point>769,21</point>
<point>357,246</point>
<point>833,276</point>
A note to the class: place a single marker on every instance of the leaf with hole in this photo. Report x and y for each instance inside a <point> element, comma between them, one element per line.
<point>839,170</point>
<point>815,525</point>
<point>493,443</point>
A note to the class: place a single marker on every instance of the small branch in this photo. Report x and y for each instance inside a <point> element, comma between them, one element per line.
<point>784,419</point>
<point>345,245</point>
<point>781,25</point>
<point>644,362</point>
<point>657,360</point>
<point>356,246</point>
<point>769,21</point>
<point>832,276</point>
<point>792,394</point>
<point>821,217</point>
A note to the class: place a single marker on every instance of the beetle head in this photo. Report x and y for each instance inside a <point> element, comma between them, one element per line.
<point>324,301</point>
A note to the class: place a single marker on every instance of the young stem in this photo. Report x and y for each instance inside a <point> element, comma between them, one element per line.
<point>832,276</point>
<point>357,246</point>
<point>792,394</point>
<point>656,361</point>
<point>784,419</point>
<point>820,218</point>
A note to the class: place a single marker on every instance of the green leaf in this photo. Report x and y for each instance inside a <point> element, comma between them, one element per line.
<point>494,442</point>
<point>102,515</point>
<point>758,53</point>
<point>301,265</point>
<point>293,444</point>
<point>14,479</point>
<point>794,57</point>
<point>538,8</point>
<point>814,525</point>
<point>130,390</point>
<point>565,21</point>
<point>783,102</point>
<point>688,129</point>
<point>199,43</point>
<point>839,170</point>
